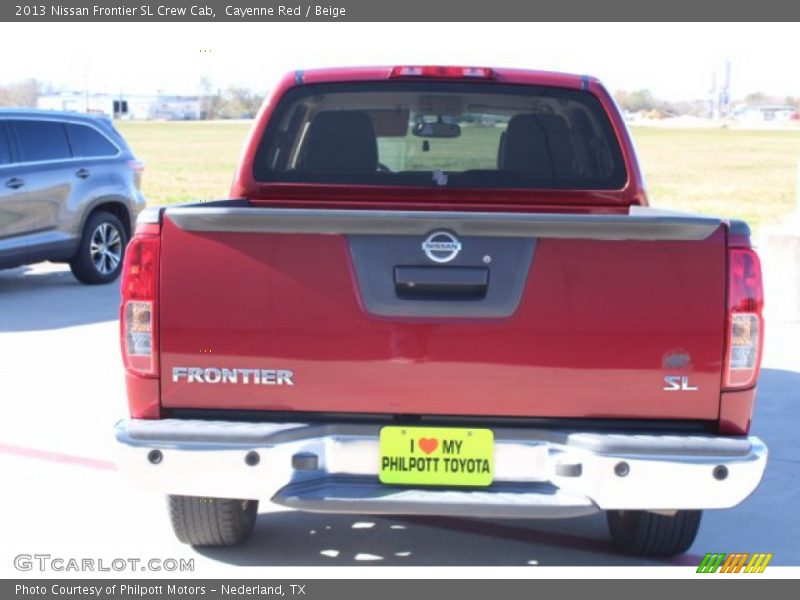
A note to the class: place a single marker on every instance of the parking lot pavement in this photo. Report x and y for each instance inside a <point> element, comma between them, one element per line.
<point>62,391</point>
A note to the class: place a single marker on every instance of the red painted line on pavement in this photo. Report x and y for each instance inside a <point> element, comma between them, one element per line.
<point>59,457</point>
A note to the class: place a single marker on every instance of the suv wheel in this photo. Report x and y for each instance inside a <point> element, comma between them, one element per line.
<point>212,521</point>
<point>102,248</point>
<point>649,534</point>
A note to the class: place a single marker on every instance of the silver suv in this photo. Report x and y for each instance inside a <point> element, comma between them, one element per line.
<point>69,192</point>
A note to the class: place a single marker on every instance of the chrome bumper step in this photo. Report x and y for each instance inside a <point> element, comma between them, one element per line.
<point>367,496</point>
<point>538,472</point>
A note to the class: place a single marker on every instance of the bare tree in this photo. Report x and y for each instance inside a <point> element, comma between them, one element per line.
<point>210,101</point>
<point>240,103</point>
<point>20,93</point>
<point>234,103</point>
<point>636,101</point>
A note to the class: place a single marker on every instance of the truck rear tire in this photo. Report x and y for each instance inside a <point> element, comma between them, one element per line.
<point>649,534</point>
<point>212,521</point>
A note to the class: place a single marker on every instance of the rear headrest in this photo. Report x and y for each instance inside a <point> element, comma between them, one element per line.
<point>538,145</point>
<point>341,141</point>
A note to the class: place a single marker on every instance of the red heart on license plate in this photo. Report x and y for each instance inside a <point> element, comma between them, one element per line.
<point>428,445</point>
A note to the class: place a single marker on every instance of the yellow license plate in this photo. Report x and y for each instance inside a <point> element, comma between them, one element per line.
<point>436,456</point>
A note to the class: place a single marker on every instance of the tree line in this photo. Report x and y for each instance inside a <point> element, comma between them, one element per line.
<point>233,102</point>
<point>239,102</point>
<point>644,101</point>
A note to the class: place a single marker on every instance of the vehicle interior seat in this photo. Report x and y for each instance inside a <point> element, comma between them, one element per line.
<point>341,141</point>
<point>539,146</point>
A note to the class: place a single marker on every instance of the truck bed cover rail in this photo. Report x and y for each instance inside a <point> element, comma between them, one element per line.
<point>639,225</point>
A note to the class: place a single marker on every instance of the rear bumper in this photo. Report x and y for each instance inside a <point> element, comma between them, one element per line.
<point>538,472</point>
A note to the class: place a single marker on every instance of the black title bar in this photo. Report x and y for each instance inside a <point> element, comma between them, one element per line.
<point>399,10</point>
<point>731,588</point>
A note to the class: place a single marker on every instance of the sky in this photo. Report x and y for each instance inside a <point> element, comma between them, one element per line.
<point>674,60</point>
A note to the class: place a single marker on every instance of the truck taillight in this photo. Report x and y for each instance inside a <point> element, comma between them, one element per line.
<point>443,72</point>
<point>745,322</point>
<point>139,306</point>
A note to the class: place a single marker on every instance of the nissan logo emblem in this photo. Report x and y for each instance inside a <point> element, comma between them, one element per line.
<point>441,246</point>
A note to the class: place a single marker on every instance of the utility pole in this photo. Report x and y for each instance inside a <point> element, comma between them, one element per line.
<point>712,96</point>
<point>725,95</point>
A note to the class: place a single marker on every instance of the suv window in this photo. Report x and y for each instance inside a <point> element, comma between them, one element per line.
<point>5,147</point>
<point>89,142</point>
<point>453,134</point>
<point>41,140</point>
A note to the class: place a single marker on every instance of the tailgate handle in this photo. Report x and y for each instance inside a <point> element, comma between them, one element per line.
<point>441,283</point>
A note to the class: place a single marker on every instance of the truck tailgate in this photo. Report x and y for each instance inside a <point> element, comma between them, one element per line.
<point>536,315</point>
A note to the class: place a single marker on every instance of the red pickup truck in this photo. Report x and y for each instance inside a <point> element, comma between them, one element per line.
<point>441,291</point>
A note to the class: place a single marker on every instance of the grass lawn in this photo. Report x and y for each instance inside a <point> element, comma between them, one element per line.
<point>745,174</point>
<point>186,161</point>
<point>736,173</point>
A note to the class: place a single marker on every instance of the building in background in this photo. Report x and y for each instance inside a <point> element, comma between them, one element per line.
<point>128,106</point>
<point>176,108</point>
<point>774,113</point>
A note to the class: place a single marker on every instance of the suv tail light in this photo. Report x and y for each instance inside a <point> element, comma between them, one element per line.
<point>745,322</point>
<point>136,166</point>
<point>138,320</point>
<point>443,72</point>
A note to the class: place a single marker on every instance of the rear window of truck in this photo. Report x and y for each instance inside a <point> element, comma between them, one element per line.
<point>429,134</point>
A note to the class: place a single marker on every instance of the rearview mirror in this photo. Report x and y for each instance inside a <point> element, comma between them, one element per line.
<point>436,129</point>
